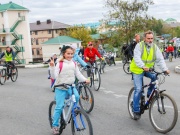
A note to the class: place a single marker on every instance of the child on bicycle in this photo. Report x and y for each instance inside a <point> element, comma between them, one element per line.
<point>65,75</point>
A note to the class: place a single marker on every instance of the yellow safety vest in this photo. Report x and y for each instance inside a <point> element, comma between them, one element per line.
<point>8,57</point>
<point>147,58</point>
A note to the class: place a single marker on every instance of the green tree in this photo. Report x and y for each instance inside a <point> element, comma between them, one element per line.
<point>131,16</point>
<point>81,33</point>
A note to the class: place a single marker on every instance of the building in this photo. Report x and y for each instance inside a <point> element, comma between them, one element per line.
<point>43,31</point>
<point>52,46</point>
<point>14,31</point>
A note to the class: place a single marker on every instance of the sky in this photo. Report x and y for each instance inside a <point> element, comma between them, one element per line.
<point>87,11</point>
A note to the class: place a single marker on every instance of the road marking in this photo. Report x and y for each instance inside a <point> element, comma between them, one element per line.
<point>119,96</point>
<point>107,92</point>
<point>102,88</point>
<point>112,69</point>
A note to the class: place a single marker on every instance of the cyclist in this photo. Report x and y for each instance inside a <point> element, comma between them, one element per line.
<point>9,58</point>
<point>146,54</point>
<point>53,57</point>
<point>90,54</point>
<point>133,45</point>
<point>103,53</point>
<point>66,75</point>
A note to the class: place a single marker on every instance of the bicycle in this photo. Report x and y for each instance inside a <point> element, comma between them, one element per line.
<point>126,67</point>
<point>95,77</point>
<point>170,57</point>
<point>159,104</point>
<point>102,66</point>
<point>71,113</point>
<point>86,100</point>
<point>4,75</point>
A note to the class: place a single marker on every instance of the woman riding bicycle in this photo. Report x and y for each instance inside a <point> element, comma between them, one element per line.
<point>66,75</point>
<point>90,54</point>
<point>146,54</point>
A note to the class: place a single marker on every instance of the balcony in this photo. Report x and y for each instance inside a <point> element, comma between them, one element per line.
<point>4,31</point>
<point>5,43</point>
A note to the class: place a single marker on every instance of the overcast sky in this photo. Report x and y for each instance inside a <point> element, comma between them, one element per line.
<point>85,11</point>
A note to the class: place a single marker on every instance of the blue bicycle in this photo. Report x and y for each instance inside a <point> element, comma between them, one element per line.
<point>72,113</point>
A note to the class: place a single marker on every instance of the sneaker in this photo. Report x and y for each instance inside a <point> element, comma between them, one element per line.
<point>55,130</point>
<point>137,115</point>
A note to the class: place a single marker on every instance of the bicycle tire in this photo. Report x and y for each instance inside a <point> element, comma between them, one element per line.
<point>168,108</point>
<point>81,117</point>
<point>86,100</point>
<point>14,76</point>
<point>2,76</point>
<point>130,102</point>
<point>50,114</point>
<point>96,78</point>
<point>126,68</point>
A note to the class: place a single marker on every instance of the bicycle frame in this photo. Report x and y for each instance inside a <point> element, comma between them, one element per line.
<point>156,91</point>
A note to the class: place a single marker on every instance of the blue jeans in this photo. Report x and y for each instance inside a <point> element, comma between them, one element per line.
<point>60,96</point>
<point>138,82</point>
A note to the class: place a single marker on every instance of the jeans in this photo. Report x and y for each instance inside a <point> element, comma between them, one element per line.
<point>60,96</point>
<point>138,82</point>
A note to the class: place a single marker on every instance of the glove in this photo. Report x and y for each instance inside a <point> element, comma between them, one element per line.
<point>102,58</point>
<point>88,66</point>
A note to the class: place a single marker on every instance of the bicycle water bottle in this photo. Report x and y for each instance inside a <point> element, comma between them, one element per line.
<point>73,98</point>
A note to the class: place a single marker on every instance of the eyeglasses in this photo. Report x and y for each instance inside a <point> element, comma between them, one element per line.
<point>149,38</point>
<point>90,45</point>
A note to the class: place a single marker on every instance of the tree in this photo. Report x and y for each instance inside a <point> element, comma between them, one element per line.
<point>81,33</point>
<point>131,15</point>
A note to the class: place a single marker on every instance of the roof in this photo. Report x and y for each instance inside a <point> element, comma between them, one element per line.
<point>11,6</point>
<point>46,26</point>
<point>61,39</point>
<point>99,35</point>
<point>170,19</point>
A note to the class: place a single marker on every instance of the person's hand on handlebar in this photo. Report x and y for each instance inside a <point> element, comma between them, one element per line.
<point>102,58</point>
<point>87,81</point>
<point>52,62</point>
<point>87,58</point>
<point>167,72</point>
<point>145,69</point>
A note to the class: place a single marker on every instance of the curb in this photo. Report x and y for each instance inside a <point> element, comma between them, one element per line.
<point>177,69</point>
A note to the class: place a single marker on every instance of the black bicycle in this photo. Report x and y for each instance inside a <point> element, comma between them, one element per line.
<point>86,100</point>
<point>163,111</point>
<point>8,71</point>
<point>126,67</point>
<point>95,76</point>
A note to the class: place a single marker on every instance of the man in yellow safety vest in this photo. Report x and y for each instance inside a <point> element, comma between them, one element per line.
<point>146,54</point>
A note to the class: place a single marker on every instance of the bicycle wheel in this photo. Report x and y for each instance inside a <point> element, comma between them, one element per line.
<point>2,76</point>
<point>86,99</point>
<point>165,119</point>
<point>130,102</point>
<point>96,79</point>
<point>14,74</point>
<point>81,124</point>
<point>126,68</point>
<point>51,112</point>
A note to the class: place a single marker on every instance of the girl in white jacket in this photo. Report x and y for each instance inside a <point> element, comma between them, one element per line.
<point>67,75</point>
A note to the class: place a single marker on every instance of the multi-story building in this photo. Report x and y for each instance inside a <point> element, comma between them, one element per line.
<point>14,31</point>
<point>43,31</point>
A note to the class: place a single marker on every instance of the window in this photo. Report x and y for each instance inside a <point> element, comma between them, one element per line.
<point>19,14</point>
<point>37,51</point>
<point>37,43</point>
<point>2,14</point>
<point>49,31</point>
<point>32,52</point>
<point>56,31</point>
<point>36,32</point>
<point>30,32</point>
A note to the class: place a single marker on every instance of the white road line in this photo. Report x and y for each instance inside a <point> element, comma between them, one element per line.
<point>112,69</point>
<point>119,96</point>
<point>102,88</point>
<point>107,92</point>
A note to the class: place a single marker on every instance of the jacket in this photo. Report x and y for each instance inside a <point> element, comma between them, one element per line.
<point>91,54</point>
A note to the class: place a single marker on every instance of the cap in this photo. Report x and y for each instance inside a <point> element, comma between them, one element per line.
<point>89,43</point>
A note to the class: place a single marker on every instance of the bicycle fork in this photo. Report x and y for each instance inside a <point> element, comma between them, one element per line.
<point>161,111</point>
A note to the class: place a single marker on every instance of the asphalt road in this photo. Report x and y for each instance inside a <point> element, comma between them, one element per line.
<point>24,104</point>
